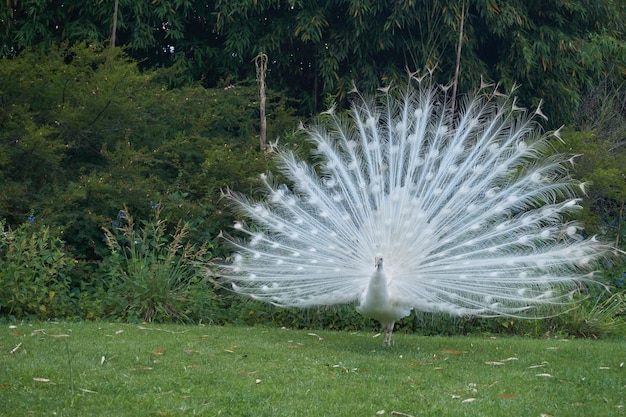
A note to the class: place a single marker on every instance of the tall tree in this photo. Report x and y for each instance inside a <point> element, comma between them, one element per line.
<point>554,49</point>
<point>157,33</point>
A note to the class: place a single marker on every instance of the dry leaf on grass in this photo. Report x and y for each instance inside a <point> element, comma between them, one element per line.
<point>469,400</point>
<point>16,348</point>
<point>41,379</point>
<point>397,413</point>
<point>452,352</point>
<point>545,375</point>
<point>348,370</point>
<point>158,352</point>
<point>494,363</point>
<point>87,390</point>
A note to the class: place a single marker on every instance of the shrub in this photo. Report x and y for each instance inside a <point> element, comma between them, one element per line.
<point>595,317</point>
<point>33,272</point>
<point>152,276</point>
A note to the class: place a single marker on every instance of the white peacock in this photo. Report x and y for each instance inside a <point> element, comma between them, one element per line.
<point>409,208</point>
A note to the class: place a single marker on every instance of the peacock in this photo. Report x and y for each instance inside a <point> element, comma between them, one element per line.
<point>408,205</point>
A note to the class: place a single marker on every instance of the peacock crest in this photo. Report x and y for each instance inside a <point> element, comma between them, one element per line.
<point>410,207</point>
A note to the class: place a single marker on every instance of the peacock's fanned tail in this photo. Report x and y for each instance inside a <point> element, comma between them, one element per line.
<point>469,212</point>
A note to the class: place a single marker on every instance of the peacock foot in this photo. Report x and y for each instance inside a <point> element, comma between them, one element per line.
<point>387,339</point>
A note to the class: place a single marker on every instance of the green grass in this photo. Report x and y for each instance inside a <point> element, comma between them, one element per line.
<point>105,369</point>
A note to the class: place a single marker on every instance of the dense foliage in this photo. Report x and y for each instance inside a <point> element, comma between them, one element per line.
<point>556,50</point>
<point>83,136</point>
<point>88,132</point>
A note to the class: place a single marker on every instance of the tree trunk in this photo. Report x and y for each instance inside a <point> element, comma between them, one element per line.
<point>114,28</point>
<point>260,61</point>
<point>457,69</point>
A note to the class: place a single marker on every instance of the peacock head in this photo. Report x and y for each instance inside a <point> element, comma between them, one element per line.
<point>378,261</point>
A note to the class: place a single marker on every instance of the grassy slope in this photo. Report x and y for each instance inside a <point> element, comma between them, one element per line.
<point>103,369</point>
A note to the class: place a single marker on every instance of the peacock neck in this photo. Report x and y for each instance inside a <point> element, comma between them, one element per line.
<point>377,286</point>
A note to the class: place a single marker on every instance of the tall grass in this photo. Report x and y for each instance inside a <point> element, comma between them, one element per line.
<point>153,276</point>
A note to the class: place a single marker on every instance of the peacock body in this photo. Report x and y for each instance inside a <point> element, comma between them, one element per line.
<point>410,208</point>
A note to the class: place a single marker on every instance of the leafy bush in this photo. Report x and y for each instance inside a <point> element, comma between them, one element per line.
<point>603,316</point>
<point>82,128</point>
<point>152,276</point>
<point>33,272</point>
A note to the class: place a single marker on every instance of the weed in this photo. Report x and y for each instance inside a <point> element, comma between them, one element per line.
<point>33,271</point>
<point>151,275</point>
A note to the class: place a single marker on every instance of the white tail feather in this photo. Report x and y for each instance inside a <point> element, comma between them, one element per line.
<point>468,212</point>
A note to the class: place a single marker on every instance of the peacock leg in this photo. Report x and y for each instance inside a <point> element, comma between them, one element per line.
<point>387,330</point>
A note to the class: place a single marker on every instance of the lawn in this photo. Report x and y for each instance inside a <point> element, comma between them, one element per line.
<point>109,369</point>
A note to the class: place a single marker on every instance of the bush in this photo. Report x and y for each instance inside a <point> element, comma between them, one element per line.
<point>599,317</point>
<point>152,276</point>
<point>33,272</point>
